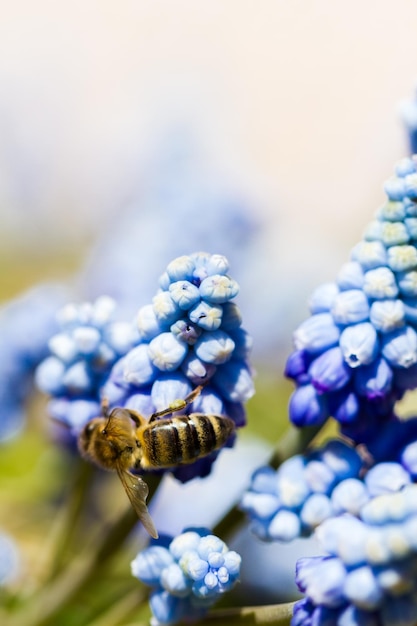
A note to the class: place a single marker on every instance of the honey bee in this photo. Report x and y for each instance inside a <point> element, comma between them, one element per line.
<point>123,440</point>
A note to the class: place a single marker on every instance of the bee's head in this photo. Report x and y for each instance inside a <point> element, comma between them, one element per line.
<point>108,440</point>
<point>87,434</point>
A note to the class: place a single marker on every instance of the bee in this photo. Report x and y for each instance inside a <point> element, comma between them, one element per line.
<point>123,440</point>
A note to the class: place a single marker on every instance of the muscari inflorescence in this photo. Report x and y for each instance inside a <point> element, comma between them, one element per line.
<point>189,335</point>
<point>26,324</point>
<point>355,357</point>
<point>187,573</point>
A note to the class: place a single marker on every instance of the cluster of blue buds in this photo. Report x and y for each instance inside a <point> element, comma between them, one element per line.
<point>83,352</point>
<point>304,491</point>
<point>357,353</point>
<point>328,482</point>
<point>190,335</point>
<point>25,327</point>
<point>188,574</point>
<point>368,577</point>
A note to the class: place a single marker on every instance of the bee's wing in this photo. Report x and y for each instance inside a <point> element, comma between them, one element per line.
<point>138,490</point>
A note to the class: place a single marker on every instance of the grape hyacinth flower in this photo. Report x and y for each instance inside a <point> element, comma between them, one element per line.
<point>357,353</point>
<point>305,490</point>
<point>329,481</point>
<point>190,335</point>
<point>368,575</point>
<point>82,354</point>
<point>25,327</point>
<point>188,574</point>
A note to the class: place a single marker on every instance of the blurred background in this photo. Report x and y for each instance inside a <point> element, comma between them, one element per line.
<point>293,108</point>
<point>133,132</point>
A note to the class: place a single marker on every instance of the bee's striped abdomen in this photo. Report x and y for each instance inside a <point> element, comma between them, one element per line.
<point>168,442</point>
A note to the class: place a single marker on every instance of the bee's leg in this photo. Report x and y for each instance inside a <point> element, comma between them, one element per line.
<point>193,394</point>
<point>167,411</point>
<point>177,405</point>
<point>105,407</point>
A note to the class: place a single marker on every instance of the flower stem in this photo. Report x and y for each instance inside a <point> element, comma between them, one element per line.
<point>272,614</point>
<point>268,615</point>
<point>48,602</point>
<point>121,610</point>
<point>293,441</point>
<point>66,522</point>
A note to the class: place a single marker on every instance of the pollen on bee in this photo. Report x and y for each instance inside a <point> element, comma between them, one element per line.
<point>177,405</point>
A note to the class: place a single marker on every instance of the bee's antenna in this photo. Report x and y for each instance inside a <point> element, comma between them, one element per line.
<point>105,405</point>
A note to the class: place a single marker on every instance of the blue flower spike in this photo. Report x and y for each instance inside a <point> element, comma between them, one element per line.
<point>368,575</point>
<point>188,574</point>
<point>83,352</point>
<point>305,490</point>
<point>191,335</point>
<point>26,325</point>
<point>360,341</point>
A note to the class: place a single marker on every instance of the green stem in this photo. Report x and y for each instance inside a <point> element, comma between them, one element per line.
<point>121,610</point>
<point>66,522</point>
<point>62,530</point>
<point>272,614</point>
<point>293,441</point>
<point>84,570</point>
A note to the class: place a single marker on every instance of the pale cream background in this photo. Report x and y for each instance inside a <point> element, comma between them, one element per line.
<point>294,101</point>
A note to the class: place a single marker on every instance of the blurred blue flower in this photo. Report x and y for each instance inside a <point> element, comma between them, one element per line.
<point>180,192</point>
<point>331,481</point>
<point>369,573</point>
<point>357,353</point>
<point>9,560</point>
<point>408,113</point>
<point>26,324</point>
<point>82,353</point>
<point>305,490</point>
<point>188,574</point>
